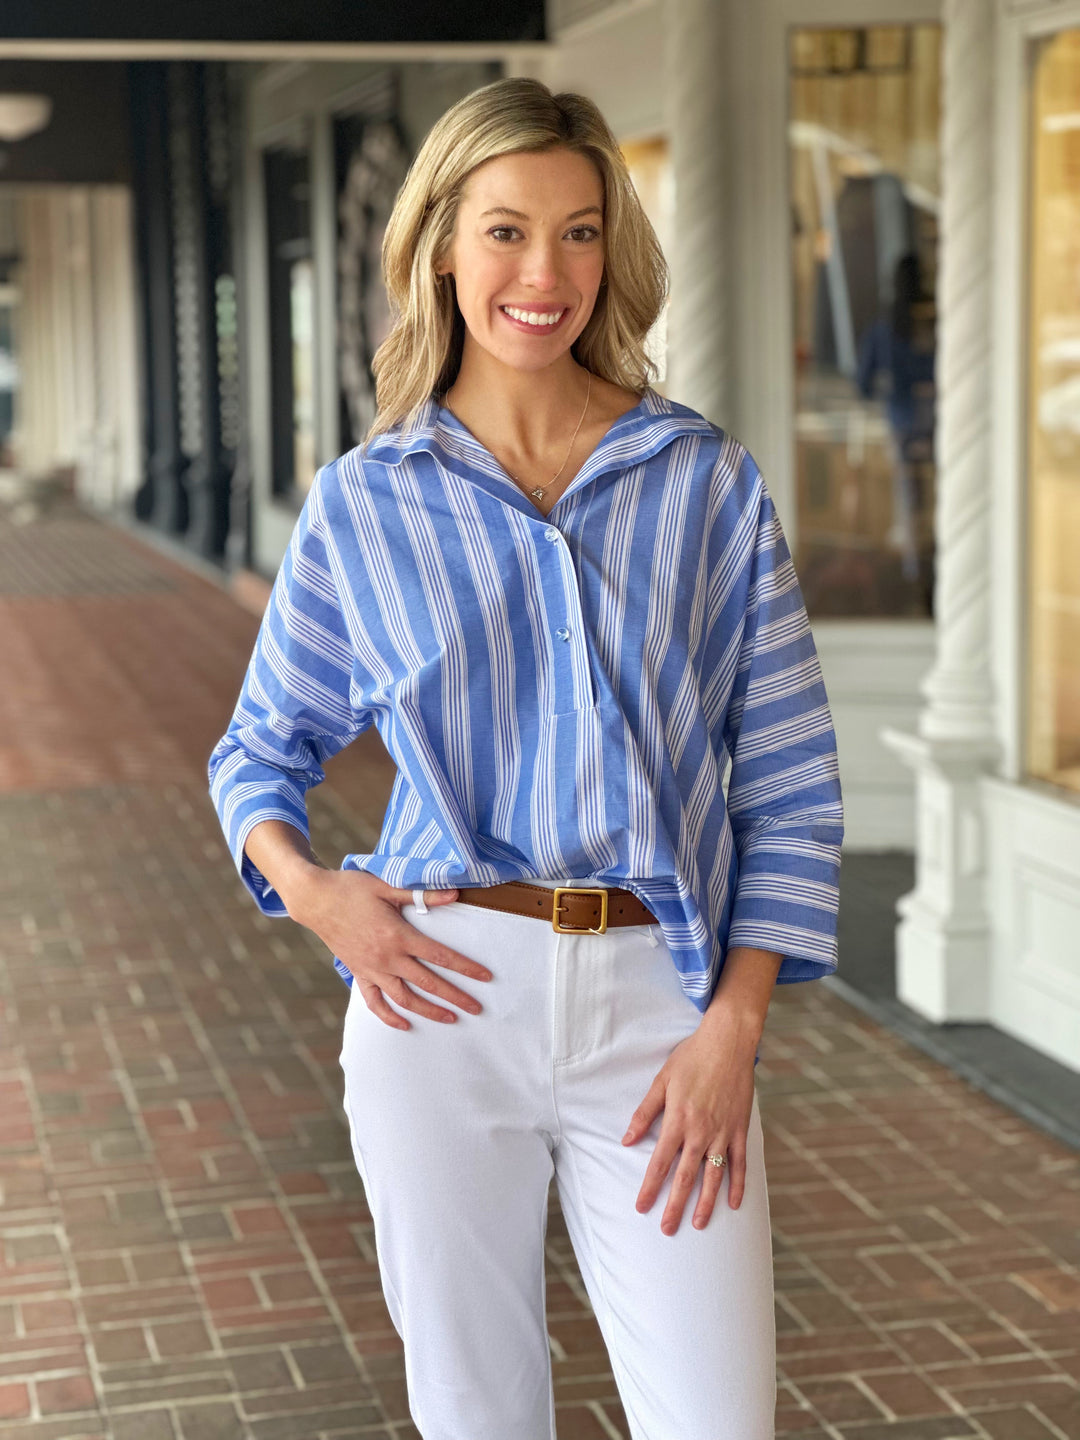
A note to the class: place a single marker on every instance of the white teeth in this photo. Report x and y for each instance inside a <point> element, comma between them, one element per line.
<point>533,317</point>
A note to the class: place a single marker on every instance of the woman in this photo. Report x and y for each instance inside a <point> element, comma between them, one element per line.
<point>567,604</point>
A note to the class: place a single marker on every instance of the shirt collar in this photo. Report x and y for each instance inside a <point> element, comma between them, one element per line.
<point>636,435</point>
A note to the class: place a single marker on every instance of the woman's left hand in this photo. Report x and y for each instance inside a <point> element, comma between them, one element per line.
<point>706,1091</point>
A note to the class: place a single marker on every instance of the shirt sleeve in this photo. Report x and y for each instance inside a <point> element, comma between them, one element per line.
<point>784,798</point>
<point>296,704</point>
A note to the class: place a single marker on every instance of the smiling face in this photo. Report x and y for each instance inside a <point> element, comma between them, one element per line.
<point>528,254</point>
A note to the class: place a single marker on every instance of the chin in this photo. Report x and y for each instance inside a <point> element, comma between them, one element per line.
<point>528,356</point>
<point>533,364</point>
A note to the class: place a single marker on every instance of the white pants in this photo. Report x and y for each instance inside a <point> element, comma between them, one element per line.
<point>457,1129</point>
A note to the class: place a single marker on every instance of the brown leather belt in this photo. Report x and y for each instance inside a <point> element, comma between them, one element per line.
<point>589,910</point>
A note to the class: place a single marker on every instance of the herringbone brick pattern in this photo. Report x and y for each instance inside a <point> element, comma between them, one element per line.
<point>186,1250</point>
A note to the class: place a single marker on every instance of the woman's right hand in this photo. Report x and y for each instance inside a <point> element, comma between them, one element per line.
<point>358,917</point>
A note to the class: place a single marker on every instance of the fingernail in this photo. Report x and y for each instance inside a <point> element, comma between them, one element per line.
<point>627,1135</point>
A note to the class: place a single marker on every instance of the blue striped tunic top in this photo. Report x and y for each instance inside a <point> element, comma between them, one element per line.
<point>625,689</point>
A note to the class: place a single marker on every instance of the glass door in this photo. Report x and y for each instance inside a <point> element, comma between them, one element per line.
<point>864,192</point>
<point>1053,419</point>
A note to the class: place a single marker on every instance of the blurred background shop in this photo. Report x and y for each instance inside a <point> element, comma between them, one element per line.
<point>872,213</point>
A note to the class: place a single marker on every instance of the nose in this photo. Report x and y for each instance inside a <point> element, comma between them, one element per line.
<point>541,269</point>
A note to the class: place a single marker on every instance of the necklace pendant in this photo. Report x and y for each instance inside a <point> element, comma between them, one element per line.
<point>538,493</point>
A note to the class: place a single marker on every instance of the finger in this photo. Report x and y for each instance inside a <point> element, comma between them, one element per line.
<point>681,1188</point>
<point>438,897</point>
<point>710,1187</point>
<point>402,994</point>
<point>656,1170</point>
<point>402,896</point>
<point>422,978</point>
<point>646,1112</point>
<point>423,947</point>
<point>376,1003</point>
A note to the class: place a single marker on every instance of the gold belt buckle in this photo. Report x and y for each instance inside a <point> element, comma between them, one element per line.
<point>578,929</point>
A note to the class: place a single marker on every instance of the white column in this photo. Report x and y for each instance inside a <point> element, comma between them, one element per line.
<point>80,337</point>
<point>700,317</point>
<point>116,439</point>
<point>943,936</point>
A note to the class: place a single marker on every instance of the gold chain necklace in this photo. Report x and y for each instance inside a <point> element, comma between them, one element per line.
<point>538,492</point>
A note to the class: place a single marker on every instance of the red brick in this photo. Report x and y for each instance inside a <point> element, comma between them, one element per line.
<point>1057,1289</point>
<point>72,1392</point>
<point>297,1285</point>
<point>236,1294</point>
<point>902,1241</point>
<point>49,1315</point>
<point>303,1182</point>
<point>185,1337</point>
<point>839,1400</point>
<point>14,1402</point>
<point>125,1343</point>
<point>258,1219</point>
<point>1013,1424</point>
<point>907,1395</point>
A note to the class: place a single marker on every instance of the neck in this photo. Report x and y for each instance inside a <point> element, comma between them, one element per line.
<point>527,412</point>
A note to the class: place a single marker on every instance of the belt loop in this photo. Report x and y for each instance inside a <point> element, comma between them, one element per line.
<point>419,902</point>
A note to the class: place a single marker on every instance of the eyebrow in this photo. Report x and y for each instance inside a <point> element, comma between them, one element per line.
<point>518,215</point>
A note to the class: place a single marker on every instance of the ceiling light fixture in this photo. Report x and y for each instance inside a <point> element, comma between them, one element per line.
<point>23,115</point>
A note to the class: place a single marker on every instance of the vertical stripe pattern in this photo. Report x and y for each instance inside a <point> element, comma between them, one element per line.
<point>626,688</point>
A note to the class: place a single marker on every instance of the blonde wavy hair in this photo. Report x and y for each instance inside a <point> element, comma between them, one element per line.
<point>421,355</point>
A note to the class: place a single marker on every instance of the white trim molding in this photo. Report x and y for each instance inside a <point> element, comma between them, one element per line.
<point>1033,888</point>
<point>699,344</point>
<point>943,939</point>
<point>872,670</point>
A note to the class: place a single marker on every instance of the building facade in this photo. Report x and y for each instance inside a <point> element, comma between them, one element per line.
<point>872,215</point>
<point>871,210</point>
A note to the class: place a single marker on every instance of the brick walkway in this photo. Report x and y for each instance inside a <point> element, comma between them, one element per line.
<point>186,1251</point>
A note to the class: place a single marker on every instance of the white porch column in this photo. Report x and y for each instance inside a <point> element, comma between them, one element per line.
<point>700,316</point>
<point>942,939</point>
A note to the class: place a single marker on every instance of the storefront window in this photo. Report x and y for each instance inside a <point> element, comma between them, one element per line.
<point>1053,539</point>
<point>864,176</point>
<point>286,173</point>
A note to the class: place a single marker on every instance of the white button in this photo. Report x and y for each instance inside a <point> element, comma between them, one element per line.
<point>551,533</point>
<point>563,634</point>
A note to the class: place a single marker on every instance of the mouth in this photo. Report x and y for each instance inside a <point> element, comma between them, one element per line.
<point>535,322</point>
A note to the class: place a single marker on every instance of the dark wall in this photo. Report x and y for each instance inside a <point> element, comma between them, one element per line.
<point>87,139</point>
<point>282,20</point>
